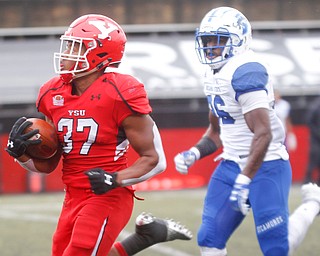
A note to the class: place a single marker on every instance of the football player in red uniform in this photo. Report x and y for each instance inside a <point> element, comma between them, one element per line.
<point>97,112</point>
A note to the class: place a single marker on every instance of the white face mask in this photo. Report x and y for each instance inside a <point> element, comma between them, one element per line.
<point>70,50</point>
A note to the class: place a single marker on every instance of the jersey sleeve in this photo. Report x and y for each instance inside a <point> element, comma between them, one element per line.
<point>253,100</point>
<point>42,99</point>
<point>249,77</point>
<point>41,107</point>
<point>132,99</point>
<point>136,96</point>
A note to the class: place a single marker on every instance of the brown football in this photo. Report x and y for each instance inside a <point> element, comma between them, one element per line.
<point>49,141</point>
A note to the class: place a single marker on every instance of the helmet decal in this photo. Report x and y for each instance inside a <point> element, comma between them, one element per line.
<point>105,32</point>
<point>241,23</point>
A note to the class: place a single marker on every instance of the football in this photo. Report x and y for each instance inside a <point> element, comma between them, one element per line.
<point>49,141</point>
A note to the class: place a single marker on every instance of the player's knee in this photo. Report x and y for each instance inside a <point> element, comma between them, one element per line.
<point>206,251</point>
<point>276,251</point>
<point>215,234</point>
<point>208,238</point>
<point>274,247</point>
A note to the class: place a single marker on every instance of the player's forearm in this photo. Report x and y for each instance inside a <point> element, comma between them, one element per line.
<point>39,165</point>
<point>144,168</point>
<point>259,147</point>
<point>210,140</point>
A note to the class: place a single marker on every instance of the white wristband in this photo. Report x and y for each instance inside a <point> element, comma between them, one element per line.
<point>196,152</point>
<point>243,179</point>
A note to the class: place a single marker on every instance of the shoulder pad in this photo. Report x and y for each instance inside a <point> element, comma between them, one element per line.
<point>248,77</point>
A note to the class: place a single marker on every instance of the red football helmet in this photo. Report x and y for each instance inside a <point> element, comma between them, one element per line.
<point>104,42</point>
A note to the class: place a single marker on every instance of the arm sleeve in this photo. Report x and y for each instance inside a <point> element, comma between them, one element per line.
<point>28,165</point>
<point>43,98</point>
<point>161,165</point>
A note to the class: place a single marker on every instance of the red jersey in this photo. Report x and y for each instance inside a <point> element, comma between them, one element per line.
<point>89,126</point>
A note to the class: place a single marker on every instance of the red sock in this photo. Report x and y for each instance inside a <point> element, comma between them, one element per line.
<point>120,249</point>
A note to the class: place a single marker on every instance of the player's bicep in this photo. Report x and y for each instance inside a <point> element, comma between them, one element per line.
<point>145,139</point>
<point>139,132</point>
<point>258,121</point>
<point>213,130</point>
<point>214,122</point>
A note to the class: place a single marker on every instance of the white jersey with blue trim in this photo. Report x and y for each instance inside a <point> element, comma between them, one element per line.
<point>241,85</point>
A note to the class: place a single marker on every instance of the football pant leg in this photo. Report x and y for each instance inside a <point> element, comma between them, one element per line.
<point>219,219</point>
<point>269,192</point>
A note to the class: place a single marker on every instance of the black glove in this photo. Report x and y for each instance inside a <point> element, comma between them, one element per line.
<point>101,181</point>
<point>18,142</point>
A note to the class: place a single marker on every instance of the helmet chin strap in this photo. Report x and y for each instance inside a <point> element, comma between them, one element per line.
<point>219,62</point>
<point>68,78</point>
<point>82,74</point>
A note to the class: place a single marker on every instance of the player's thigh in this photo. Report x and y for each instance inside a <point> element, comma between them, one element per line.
<point>71,205</point>
<point>99,223</point>
<point>63,232</point>
<point>219,219</point>
<point>118,218</point>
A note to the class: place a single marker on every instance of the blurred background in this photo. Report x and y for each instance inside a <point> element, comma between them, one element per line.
<point>35,13</point>
<point>160,52</point>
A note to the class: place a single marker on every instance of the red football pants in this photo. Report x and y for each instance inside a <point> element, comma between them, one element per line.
<point>89,224</point>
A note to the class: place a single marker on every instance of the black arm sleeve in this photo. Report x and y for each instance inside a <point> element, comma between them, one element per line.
<point>206,146</point>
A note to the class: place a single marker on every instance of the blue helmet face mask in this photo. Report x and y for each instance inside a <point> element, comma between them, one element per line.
<point>211,46</point>
<point>224,32</point>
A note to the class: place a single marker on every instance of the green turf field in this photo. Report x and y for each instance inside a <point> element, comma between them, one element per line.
<point>28,221</point>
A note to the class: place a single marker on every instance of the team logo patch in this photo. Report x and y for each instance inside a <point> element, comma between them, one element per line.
<point>58,100</point>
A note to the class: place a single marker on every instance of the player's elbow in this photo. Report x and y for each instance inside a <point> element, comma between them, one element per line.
<point>266,136</point>
<point>156,166</point>
<point>161,164</point>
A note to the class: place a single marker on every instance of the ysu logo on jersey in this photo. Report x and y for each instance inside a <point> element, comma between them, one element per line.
<point>80,112</point>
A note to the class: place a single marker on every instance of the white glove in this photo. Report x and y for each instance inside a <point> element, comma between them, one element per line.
<point>239,194</point>
<point>185,159</point>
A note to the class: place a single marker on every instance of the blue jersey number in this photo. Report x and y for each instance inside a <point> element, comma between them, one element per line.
<point>223,115</point>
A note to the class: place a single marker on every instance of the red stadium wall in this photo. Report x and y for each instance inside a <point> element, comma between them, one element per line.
<point>14,179</point>
<point>177,140</point>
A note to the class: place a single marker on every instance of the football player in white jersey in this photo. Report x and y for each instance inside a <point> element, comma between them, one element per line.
<point>255,171</point>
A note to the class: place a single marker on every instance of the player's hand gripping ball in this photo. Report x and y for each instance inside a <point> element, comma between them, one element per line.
<point>47,134</point>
